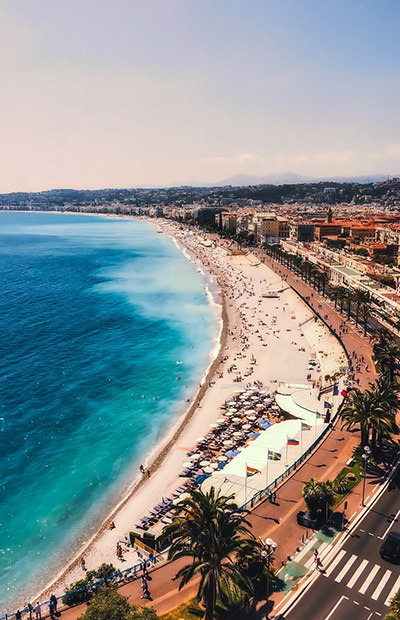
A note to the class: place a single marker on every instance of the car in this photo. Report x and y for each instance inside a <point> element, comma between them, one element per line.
<point>390,549</point>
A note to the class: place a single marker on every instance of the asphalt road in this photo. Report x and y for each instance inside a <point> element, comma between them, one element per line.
<point>357,584</point>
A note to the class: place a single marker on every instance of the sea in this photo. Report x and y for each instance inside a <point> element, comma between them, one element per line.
<point>106,328</point>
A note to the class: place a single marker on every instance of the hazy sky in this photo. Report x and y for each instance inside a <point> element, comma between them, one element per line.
<point>125,93</point>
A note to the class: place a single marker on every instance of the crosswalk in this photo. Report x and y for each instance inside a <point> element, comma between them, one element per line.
<point>364,576</point>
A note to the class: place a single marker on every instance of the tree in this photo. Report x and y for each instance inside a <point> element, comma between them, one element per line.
<point>387,354</point>
<point>365,314</point>
<point>360,297</point>
<point>358,412</point>
<point>110,605</point>
<point>318,496</point>
<point>374,410</point>
<point>209,529</point>
<point>394,608</point>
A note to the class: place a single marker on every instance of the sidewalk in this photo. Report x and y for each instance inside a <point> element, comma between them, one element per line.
<point>278,520</point>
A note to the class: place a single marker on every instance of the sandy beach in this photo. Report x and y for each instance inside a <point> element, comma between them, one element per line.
<point>262,319</point>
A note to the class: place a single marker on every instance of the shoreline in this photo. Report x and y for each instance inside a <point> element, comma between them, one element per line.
<point>227,273</point>
<point>158,454</point>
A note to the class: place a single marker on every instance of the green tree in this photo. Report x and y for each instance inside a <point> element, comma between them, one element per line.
<point>365,314</point>
<point>387,353</point>
<point>110,605</point>
<point>318,496</point>
<point>394,608</point>
<point>359,412</point>
<point>209,529</point>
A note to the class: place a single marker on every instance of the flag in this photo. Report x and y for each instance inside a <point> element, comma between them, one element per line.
<point>335,390</point>
<point>251,471</point>
<point>274,456</point>
<point>305,427</point>
<point>292,442</point>
<point>327,405</point>
<point>344,392</point>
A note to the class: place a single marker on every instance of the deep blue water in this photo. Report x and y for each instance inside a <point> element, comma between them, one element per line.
<point>94,314</point>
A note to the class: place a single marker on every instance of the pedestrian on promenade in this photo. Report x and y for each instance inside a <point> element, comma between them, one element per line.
<point>30,609</point>
<point>53,599</point>
<point>18,615</point>
<point>38,611</point>
<point>51,609</point>
<point>317,561</point>
<point>145,589</point>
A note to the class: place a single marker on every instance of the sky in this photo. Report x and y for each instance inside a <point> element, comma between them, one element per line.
<point>140,93</point>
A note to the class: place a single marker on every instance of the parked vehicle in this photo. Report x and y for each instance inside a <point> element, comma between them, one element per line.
<point>390,549</point>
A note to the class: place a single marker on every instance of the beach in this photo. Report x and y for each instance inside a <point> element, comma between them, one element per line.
<point>262,318</point>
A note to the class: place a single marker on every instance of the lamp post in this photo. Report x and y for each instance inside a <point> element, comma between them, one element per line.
<point>269,547</point>
<point>365,456</point>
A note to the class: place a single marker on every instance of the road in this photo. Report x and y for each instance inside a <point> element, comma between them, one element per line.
<point>356,583</point>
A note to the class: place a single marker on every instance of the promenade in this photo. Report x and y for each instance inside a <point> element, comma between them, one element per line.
<point>278,520</point>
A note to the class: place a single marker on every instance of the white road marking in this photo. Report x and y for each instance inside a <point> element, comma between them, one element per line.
<point>368,580</point>
<point>391,525</point>
<point>381,585</point>
<point>358,572</point>
<point>336,606</point>
<point>335,562</point>
<point>393,591</point>
<point>346,568</point>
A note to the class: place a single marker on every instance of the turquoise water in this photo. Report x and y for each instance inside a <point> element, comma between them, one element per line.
<point>95,313</point>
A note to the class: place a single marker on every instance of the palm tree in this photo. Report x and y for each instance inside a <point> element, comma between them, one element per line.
<point>358,412</point>
<point>360,297</point>
<point>365,314</point>
<point>383,422</point>
<point>374,411</point>
<point>394,608</point>
<point>210,529</point>
<point>324,279</point>
<point>318,495</point>
<point>341,296</point>
<point>386,353</point>
<point>349,298</point>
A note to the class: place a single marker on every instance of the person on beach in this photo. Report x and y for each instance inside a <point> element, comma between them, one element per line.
<point>38,611</point>
<point>83,564</point>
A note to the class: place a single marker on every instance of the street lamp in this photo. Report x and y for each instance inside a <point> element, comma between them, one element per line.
<point>365,456</point>
<point>269,547</point>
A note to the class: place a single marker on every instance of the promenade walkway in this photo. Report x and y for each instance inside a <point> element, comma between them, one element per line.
<point>278,520</point>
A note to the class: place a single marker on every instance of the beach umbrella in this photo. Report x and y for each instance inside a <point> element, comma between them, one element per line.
<point>232,402</point>
<point>214,465</point>
<point>221,420</point>
<point>222,458</point>
<point>186,465</point>
<point>245,427</point>
<point>214,426</point>
<point>195,457</point>
<point>204,463</point>
<point>237,434</point>
<point>228,442</point>
<point>200,439</point>
<point>254,397</point>
<point>208,470</point>
<point>251,417</point>
<point>230,413</point>
<point>250,411</point>
<point>236,419</point>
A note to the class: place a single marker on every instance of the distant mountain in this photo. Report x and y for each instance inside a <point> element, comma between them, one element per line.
<point>291,178</point>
